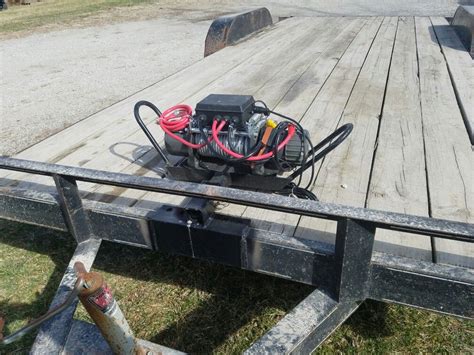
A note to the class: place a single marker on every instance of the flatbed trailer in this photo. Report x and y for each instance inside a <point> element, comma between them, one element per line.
<point>395,218</point>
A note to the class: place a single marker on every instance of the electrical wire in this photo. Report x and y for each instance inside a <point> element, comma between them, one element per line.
<point>330,143</point>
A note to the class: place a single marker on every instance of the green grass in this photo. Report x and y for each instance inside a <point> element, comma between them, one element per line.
<point>54,12</point>
<point>200,307</point>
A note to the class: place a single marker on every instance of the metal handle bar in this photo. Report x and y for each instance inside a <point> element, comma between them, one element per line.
<point>80,284</point>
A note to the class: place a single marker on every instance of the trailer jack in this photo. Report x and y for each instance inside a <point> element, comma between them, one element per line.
<point>96,297</point>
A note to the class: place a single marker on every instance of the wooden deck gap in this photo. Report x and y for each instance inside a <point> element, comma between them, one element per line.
<point>380,118</point>
<point>432,239</point>
<point>348,97</point>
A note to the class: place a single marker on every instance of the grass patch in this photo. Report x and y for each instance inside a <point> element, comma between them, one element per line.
<point>32,262</point>
<point>201,307</point>
<point>54,12</point>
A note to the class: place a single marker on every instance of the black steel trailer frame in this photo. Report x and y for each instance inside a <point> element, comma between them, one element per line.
<point>345,274</point>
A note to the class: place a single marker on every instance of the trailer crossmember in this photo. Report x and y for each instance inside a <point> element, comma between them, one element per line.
<point>345,274</point>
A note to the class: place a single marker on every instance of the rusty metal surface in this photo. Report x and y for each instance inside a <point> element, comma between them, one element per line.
<point>107,315</point>
<point>227,30</point>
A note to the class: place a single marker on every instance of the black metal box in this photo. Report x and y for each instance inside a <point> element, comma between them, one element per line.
<point>235,108</point>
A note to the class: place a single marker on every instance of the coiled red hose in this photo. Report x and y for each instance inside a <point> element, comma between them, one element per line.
<point>175,119</point>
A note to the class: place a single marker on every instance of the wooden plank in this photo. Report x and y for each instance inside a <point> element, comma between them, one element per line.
<point>344,174</point>
<point>124,135</point>
<point>449,156</point>
<point>296,103</point>
<point>398,181</point>
<point>460,67</point>
<point>325,111</point>
<point>118,117</point>
<point>321,47</point>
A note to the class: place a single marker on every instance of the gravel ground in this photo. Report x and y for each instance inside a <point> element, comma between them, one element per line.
<point>54,78</point>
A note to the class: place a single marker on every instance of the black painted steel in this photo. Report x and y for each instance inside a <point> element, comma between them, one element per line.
<point>440,288</point>
<point>380,219</point>
<point>71,206</point>
<point>276,254</point>
<point>354,245</point>
<point>346,274</point>
<point>218,240</point>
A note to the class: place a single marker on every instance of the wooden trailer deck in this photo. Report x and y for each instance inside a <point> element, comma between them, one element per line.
<point>405,83</point>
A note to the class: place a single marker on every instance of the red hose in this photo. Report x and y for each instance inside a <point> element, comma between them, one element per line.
<point>175,119</point>
<point>216,129</point>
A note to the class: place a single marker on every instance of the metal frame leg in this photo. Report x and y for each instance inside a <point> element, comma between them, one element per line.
<point>73,212</point>
<point>354,246</point>
<point>323,311</point>
<point>306,326</point>
<point>53,334</point>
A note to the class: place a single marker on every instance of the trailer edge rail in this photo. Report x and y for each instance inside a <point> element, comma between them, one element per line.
<point>346,274</point>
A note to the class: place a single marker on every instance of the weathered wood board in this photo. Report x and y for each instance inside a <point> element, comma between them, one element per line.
<point>449,156</point>
<point>398,180</point>
<point>461,69</point>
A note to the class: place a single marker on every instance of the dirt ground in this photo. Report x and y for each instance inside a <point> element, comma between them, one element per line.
<point>53,79</point>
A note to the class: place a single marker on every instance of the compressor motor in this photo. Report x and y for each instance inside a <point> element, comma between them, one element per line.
<point>237,137</point>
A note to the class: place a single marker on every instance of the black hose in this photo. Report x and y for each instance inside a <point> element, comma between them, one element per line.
<point>154,143</point>
<point>339,135</point>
